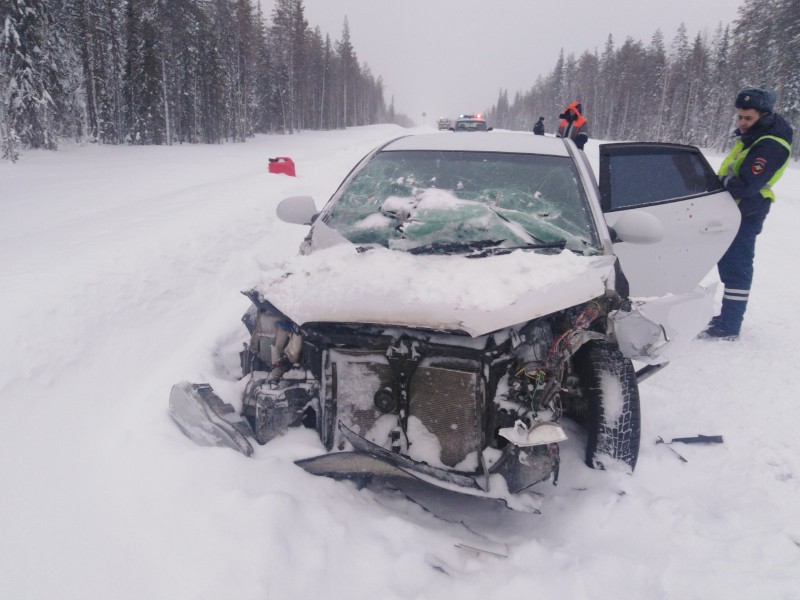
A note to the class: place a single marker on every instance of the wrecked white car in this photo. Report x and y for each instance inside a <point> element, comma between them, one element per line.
<point>458,297</point>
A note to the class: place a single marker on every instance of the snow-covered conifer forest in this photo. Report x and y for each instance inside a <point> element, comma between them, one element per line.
<point>208,71</point>
<point>173,71</point>
<point>673,90</point>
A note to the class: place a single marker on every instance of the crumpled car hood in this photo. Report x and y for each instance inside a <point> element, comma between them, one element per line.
<point>446,293</point>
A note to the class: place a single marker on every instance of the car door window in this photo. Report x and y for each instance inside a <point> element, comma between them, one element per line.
<point>647,174</point>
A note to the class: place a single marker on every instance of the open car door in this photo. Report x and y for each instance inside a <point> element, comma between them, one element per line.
<point>670,206</point>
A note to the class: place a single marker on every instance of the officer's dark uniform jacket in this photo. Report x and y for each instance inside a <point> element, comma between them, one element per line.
<point>756,162</point>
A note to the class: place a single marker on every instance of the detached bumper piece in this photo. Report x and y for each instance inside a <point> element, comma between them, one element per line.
<point>398,460</point>
<point>520,467</point>
<point>206,419</point>
<point>477,512</point>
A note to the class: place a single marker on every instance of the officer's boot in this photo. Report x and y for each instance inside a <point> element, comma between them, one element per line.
<point>727,324</point>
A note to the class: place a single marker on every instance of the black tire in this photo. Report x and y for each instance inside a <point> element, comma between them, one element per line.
<point>612,413</point>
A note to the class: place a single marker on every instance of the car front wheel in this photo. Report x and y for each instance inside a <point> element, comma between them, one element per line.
<point>610,395</point>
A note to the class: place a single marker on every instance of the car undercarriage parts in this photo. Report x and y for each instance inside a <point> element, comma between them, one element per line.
<point>680,456</point>
<point>574,337</point>
<point>206,419</point>
<point>272,406</point>
<point>385,401</point>
<point>653,331</point>
<point>403,357</point>
<point>648,371</point>
<point>275,343</point>
<point>523,467</point>
<point>639,337</point>
<point>520,467</point>
<point>541,433</point>
<point>398,460</point>
<point>698,439</point>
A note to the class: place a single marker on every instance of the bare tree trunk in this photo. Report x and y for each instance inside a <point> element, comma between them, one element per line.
<point>661,107</point>
<point>623,130</point>
<point>322,103</point>
<point>686,111</point>
<point>166,98</point>
<point>87,51</point>
<point>196,135</point>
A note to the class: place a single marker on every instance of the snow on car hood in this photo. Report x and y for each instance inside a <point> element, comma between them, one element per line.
<point>453,293</point>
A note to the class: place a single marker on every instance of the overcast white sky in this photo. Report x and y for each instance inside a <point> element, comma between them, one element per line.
<point>446,57</point>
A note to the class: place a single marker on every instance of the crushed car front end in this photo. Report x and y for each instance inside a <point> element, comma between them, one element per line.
<point>444,406</point>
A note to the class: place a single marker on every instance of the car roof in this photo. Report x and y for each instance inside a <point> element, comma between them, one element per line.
<point>490,141</point>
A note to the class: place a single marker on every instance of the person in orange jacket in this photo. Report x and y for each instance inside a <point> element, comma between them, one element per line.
<point>574,125</point>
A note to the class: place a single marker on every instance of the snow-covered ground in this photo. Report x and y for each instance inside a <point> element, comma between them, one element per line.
<point>120,272</point>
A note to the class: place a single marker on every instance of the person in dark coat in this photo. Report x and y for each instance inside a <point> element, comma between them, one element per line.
<point>538,127</point>
<point>757,160</point>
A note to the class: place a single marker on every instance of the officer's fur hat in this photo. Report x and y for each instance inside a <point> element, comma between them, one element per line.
<point>758,98</point>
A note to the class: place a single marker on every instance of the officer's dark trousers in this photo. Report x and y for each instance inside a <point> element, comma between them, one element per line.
<point>736,266</point>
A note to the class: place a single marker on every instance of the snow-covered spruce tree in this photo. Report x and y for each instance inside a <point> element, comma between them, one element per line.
<point>720,93</point>
<point>248,43</point>
<point>347,70</point>
<point>788,76</point>
<point>766,42</point>
<point>287,46</point>
<point>184,31</point>
<point>264,109</point>
<point>28,73</point>
<point>142,79</point>
<point>96,31</point>
<point>316,80</point>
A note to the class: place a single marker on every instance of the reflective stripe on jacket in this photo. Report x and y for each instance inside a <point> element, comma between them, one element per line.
<point>733,162</point>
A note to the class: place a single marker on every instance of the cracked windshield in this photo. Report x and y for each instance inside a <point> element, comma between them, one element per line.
<point>465,201</point>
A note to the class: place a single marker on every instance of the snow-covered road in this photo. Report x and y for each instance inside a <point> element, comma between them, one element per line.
<point>120,272</point>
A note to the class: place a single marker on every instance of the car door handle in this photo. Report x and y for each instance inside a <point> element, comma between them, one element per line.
<point>715,228</point>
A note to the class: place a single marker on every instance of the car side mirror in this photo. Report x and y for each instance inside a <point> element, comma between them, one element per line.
<point>490,129</point>
<point>300,210</point>
<point>638,227</point>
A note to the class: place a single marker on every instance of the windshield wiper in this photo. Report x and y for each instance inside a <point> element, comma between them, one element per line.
<point>556,245</point>
<point>454,247</point>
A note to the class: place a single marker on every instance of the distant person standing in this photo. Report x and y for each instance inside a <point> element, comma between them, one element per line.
<point>758,159</point>
<point>538,127</point>
<point>574,125</point>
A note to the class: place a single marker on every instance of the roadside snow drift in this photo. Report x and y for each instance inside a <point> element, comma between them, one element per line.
<point>120,274</point>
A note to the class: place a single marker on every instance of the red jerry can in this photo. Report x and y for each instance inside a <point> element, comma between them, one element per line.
<point>282,164</point>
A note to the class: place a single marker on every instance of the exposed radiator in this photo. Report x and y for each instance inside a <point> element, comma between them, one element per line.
<point>448,400</point>
<point>450,405</point>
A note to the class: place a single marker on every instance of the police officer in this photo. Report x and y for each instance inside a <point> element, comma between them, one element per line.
<point>757,160</point>
<point>538,127</point>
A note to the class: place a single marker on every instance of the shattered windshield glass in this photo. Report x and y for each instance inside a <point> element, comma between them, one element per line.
<point>423,198</point>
